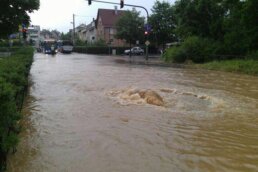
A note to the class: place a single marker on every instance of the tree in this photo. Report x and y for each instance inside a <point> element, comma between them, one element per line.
<point>14,13</point>
<point>163,23</point>
<point>250,22</point>
<point>241,27</point>
<point>202,18</point>
<point>54,34</point>
<point>130,27</point>
<point>66,36</point>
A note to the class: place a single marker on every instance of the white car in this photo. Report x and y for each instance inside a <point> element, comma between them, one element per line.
<point>65,46</point>
<point>135,51</point>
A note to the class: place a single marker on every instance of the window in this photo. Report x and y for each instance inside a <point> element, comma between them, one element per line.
<point>111,31</point>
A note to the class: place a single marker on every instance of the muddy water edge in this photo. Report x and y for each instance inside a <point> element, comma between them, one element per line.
<point>90,113</point>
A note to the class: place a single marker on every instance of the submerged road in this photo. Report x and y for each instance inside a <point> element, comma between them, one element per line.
<point>87,113</point>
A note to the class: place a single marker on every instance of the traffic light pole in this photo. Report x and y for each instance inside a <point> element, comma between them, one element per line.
<point>74,29</point>
<point>130,5</point>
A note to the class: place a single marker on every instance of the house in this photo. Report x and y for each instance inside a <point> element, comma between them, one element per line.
<point>91,32</point>
<point>79,31</point>
<point>105,25</point>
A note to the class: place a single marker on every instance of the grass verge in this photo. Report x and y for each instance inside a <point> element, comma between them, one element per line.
<point>239,66</point>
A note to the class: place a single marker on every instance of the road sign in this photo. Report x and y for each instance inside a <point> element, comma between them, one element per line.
<point>147,27</point>
<point>147,43</point>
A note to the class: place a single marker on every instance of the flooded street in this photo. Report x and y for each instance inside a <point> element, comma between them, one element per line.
<point>90,113</point>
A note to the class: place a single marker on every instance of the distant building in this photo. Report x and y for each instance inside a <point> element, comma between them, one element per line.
<point>106,26</point>
<point>34,35</point>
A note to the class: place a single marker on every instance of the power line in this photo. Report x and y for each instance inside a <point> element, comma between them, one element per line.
<point>82,15</point>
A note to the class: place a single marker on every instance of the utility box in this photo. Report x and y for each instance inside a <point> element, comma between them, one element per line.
<point>113,51</point>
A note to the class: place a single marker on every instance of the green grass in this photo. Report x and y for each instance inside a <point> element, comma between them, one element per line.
<point>240,66</point>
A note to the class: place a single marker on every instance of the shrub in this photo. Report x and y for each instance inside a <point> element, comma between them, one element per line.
<point>253,55</point>
<point>80,42</point>
<point>5,43</point>
<point>196,49</point>
<point>99,43</point>
<point>14,71</point>
<point>236,43</point>
<point>99,50</point>
<point>91,50</point>
<point>175,54</point>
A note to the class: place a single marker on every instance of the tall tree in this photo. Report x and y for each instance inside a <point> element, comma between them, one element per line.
<point>163,23</point>
<point>200,18</point>
<point>130,27</point>
<point>14,13</point>
<point>234,38</point>
<point>249,20</point>
<point>241,26</point>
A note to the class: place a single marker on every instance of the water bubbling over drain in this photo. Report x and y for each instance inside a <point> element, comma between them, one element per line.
<point>169,98</point>
<point>137,96</point>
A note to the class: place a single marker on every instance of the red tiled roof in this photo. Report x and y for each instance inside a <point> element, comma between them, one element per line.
<point>108,16</point>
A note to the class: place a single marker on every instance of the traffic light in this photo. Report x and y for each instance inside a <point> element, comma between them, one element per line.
<point>146,33</point>
<point>89,2</point>
<point>24,33</point>
<point>121,3</point>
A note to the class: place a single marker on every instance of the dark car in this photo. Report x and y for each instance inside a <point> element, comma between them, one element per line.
<point>49,47</point>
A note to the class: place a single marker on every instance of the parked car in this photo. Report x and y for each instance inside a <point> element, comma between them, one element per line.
<point>65,46</point>
<point>135,51</point>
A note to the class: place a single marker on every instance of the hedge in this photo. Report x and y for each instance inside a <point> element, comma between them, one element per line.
<point>8,49</point>
<point>14,71</point>
<point>99,50</point>
<point>108,50</point>
<point>5,43</point>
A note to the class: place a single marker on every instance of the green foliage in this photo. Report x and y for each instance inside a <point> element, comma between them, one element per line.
<point>5,43</point>
<point>253,55</point>
<point>200,18</point>
<point>194,48</point>
<point>79,42</point>
<point>215,29</point>
<point>66,36</point>
<point>249,18</point>
<point>175,54</point>
<point>130,27</point>
<point>99,43</point>
<point>14,71</point>
<point>91,50</point>
<point>14,13</point>
<point>163,23</point>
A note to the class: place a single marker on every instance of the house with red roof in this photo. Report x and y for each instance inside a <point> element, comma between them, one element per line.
<point>106,26</point>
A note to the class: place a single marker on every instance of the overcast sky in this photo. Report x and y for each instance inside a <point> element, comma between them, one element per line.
<point>58,14</point>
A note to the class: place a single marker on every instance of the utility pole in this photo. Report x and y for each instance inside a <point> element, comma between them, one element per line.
<point>73,29</point>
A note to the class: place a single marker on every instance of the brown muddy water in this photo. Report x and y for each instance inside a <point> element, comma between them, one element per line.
<point>91,114</point>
